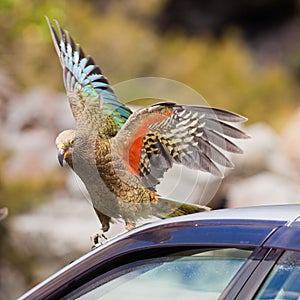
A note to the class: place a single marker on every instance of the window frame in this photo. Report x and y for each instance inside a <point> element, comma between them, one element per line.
<point>250,263</point>
<point>285,238</point>
<point>266,260</point>
<point>291,253</point>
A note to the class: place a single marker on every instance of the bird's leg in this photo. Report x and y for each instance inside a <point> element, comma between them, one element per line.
<point>100,238</point>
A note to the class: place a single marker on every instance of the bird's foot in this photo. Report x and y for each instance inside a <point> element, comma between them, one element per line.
<point>98,239</point>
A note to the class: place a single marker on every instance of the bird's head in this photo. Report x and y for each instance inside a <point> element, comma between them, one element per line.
<point>64,143</point>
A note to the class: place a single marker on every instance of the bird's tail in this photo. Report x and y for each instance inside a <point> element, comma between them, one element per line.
<point>166,208</point>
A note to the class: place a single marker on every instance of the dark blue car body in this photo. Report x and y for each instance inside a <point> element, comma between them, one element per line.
<point>269,231</point>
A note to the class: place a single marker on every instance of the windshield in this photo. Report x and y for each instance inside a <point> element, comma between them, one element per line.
<point>184,275</point>
<point>284,280</point>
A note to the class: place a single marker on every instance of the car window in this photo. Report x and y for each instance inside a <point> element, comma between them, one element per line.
<point>196,274</point>
<point>284,280</point>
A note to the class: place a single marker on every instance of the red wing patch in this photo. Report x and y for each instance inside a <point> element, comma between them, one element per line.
<point>132,157</point>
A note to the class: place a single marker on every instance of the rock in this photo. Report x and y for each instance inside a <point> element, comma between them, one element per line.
<point>263,152</point>
<point>38,108</point>
<point>60,227</point>
<point>12,282</point>
<point>32,123</point>
<point>56,233</point>
<point>6,93</point>
<point>3,213</point>
<point>265,188</point>
<point>291,141</point>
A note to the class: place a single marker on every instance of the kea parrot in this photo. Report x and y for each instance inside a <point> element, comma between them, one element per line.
<point>121,155</point>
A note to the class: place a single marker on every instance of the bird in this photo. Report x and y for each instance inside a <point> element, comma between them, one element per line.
<point>121,156</point>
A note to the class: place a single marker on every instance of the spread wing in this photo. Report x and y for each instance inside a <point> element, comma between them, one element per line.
<point>195,136</point>
<point>85,84</point>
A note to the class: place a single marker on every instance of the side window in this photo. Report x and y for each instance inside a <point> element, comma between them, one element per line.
<point>284,280</point>
<point>193,274</point>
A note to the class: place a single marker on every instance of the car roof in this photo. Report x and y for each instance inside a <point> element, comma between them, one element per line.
<point>285,215</point>
<point>270,216</point>
<point>286,212</point>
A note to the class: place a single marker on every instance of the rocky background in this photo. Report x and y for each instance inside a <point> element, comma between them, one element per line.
<point>243,56</point>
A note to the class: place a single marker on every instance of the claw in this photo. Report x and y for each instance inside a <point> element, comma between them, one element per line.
<point>98,239</point>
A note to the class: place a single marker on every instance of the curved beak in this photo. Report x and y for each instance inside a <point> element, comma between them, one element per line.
<point>60,156</point>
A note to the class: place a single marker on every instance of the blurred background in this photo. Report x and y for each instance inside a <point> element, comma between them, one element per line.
<point>239,55</point>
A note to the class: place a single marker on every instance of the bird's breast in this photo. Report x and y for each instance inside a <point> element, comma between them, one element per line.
<point>116,175</point>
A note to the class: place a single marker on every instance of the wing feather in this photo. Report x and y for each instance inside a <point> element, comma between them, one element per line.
<point>226,129</point>
<point>194,136</point>
<point>220,141</point>
<point>85,84</point>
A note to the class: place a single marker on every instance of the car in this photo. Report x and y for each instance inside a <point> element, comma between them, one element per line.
<point>239,253</point>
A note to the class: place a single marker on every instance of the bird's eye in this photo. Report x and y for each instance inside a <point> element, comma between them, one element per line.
<point>71,142</point>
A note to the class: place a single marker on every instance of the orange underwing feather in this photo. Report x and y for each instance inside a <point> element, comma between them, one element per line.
<point>134,155</point>
<point>132,159</point>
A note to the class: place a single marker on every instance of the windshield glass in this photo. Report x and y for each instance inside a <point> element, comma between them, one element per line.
<point>284,280</point>
<point>197,274</point>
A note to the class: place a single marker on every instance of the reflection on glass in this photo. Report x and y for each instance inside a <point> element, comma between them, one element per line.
<point>284,280</point>
<point>197,274</point>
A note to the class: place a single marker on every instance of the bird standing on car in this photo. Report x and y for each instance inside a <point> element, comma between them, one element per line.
<point>121,156</point>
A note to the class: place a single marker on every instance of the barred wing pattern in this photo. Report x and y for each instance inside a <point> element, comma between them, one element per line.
<point>193,136</point>
<point>84,81</point>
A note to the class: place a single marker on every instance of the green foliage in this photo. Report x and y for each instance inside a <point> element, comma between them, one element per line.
<point>295,62</point>
<point>22,194</point>
<point>124,42</point>
<point>226,75</point>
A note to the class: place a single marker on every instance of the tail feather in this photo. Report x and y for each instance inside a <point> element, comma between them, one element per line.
<point>166,208</point>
